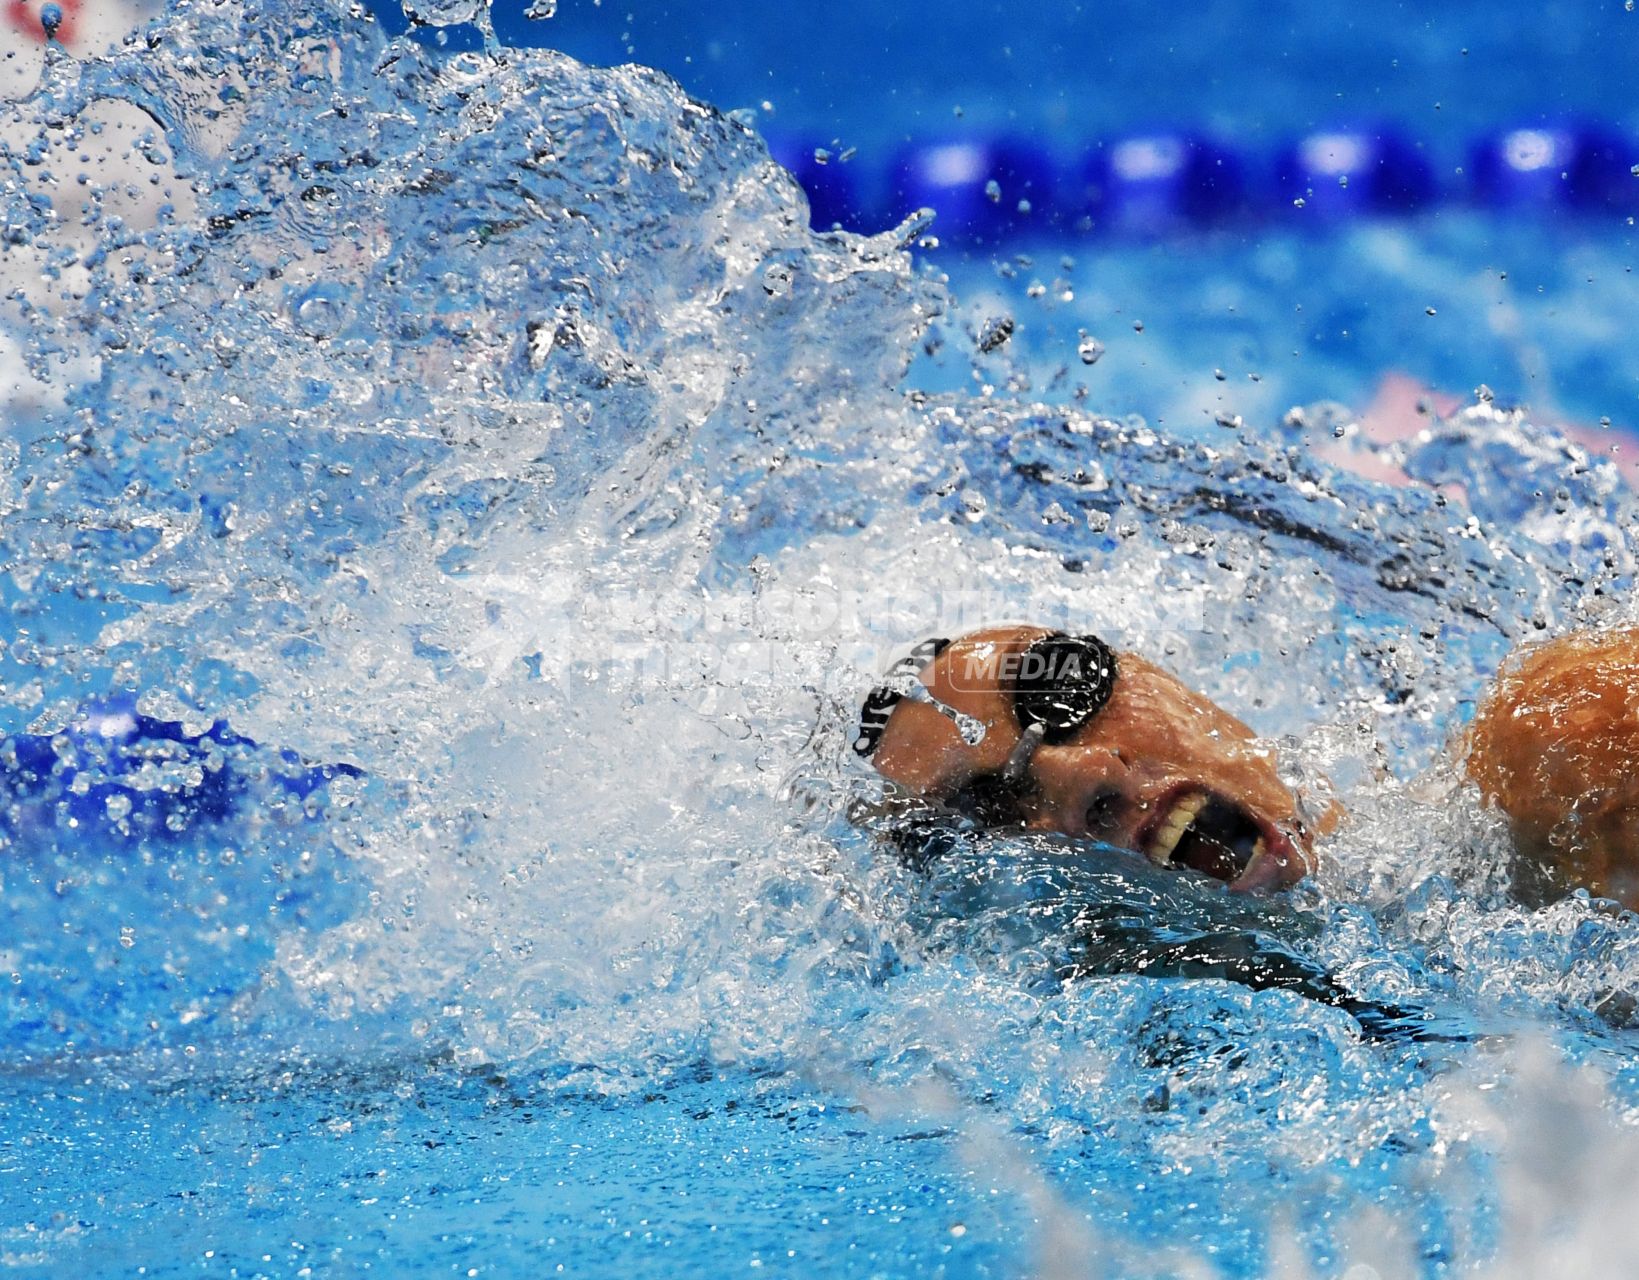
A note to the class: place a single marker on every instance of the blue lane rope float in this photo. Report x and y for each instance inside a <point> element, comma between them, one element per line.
<point>1344,173</point>
<point>1554,167</point>
<point>1159,183</point>
<point>1153,184</point>
<point>125,776</point>
<point>984,189</point>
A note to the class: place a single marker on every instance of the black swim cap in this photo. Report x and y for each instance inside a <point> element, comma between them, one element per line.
<point>880,702</point>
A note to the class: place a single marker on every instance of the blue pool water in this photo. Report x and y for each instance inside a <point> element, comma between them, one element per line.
<point>451,503</point>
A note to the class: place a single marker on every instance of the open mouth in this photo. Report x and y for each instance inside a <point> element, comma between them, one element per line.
<point>1212,834</point>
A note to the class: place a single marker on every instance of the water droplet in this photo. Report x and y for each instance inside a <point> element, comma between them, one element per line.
<point>1429,311</point>
<point>1231,420</point>
<point>1138,326</point>
<point>51,20</point>
<point>995,332</point>
<point>777,279</point>
<point>444,13</point>
<point>1090,349</point>
<point>821,156</point>
<point>541,10</point>
<point>318,315</point>
<point>1298,203</point>
<point>1484,394</point>
<point>908,231</point>
<point>993,191</point>
<point>1219,374</point>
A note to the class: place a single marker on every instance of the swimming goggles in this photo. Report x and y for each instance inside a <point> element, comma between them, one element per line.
<point>1055,686</point>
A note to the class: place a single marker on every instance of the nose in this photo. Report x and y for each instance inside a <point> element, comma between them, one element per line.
<point>1087,791</point>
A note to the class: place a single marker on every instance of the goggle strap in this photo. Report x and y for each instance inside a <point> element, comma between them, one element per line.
<point>1019,760</point>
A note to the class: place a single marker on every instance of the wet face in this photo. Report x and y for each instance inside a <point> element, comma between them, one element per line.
<point>1160,769</point>
<point>1555,745</point>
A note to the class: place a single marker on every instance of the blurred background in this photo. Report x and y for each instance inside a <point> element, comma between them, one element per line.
<point>1066,72</point>
<point>1230,211</point>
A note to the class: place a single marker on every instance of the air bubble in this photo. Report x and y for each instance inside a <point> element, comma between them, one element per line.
<point>993,191</point>
<point>1090,349</point>
<point>541,10</point>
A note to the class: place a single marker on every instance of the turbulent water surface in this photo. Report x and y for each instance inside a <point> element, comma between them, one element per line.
<point>493,427</point>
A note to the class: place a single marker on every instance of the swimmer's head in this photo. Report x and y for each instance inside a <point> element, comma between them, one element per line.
<point>1019,726</point>
<point>1555,745</point>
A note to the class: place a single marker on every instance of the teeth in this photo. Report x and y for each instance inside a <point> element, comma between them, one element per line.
<point>1170,832</point>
